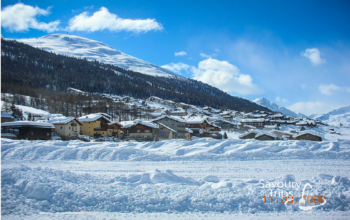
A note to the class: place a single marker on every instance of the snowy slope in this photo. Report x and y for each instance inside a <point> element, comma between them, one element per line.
<point>76,46</point>
<point>274,107</point>
<point>336,112</point>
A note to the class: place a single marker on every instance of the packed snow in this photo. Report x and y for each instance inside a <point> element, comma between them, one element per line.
<point>76,46</point>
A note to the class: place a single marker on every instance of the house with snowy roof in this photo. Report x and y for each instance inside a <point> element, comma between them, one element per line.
<point>154,99</point>
<point>265,136</point>
<point>140,130</point>
<point>6,117</point>
<point>225,125</point>
<point>115,129</point>
<point>94,125</point>
<point>308,135</point>
<point>66,127</point>
<point>256,122</point>
<point>29,130</point>
<point>201,126</point>
<point>169,102</point>
<point>176,123</point>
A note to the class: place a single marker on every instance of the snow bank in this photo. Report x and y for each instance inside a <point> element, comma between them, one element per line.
<point>27,190</point>
<point>199,149</point>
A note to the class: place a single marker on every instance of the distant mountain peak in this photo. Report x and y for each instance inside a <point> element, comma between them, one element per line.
<point>274,107</point>
<point>76,46</point>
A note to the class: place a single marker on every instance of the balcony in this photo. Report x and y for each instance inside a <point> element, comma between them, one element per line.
<point>100,129</point>
<point>73,124</point>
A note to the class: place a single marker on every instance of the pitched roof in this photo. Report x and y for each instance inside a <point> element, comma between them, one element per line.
<point>92,117</point>
<point>62,120</point>
<point>170,117</point>
<point>128,124</point>
<point>309,132</point>
<point>27,123</point>
<point>261,133</point>
<point>167,127</point>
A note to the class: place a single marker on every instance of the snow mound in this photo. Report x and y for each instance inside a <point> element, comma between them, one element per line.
<point>29,190</point>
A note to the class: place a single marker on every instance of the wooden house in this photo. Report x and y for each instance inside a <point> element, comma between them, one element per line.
<point>29,130</point>
<point>115,129</point>
<point>140,130</point>
<point>308,135</point>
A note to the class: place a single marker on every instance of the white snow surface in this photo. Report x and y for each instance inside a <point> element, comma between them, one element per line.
<point>76,46</point>
<point>177,179</point>
<point>274,107</point>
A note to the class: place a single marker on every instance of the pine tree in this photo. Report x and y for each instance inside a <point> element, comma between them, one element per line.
<point>225,135</point>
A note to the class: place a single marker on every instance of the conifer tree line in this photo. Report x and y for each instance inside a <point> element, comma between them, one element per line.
<point>25,68</point>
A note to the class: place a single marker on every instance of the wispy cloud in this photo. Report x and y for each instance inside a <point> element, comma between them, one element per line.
<point>181,53</point>
<point>314,56</point>
<point>331,89</point>
<point>104,20</point>
<point>205,55</point>
<point>303,86</point>
<point>21,17</point>
<point>278,99</point>
<point>220,74</point>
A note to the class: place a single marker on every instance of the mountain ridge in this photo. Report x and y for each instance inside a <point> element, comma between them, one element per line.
<point>76,46</point>
<point>277,108</point>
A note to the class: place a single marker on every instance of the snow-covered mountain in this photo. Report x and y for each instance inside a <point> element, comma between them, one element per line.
<point>71,45</point>
<point>274,107</point>
<point>337,116</point>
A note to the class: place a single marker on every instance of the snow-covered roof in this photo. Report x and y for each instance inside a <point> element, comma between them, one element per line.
<point>128,124</point>
<point>253,120</point>
<point>309,132</point>
<point>115,122</point>
<point>261,133</point>
<point>175,118</point>
<point>92,117</point>
<point>6,115</point>
<point>188,130</point>
<point>249,132</point>
<point>167,127</point>
<point>27,123</point>
<point>62,120</point>
<point>195,119</point>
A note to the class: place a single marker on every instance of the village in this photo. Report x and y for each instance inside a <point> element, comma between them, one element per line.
<point>157,120</point>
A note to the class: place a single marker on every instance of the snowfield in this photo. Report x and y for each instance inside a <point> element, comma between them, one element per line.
<point>177,179</point>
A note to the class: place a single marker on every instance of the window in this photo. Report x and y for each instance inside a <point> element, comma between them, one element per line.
<point>103,133</point>
<point>147,131</point>
<point>138,131</point>
<point>61,127</point>
<point>69,128</point>
<point>89,132</point>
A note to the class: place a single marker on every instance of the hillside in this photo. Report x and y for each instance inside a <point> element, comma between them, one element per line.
<point>26,66</point>
<point>337,116</point>
<point>76,46</point>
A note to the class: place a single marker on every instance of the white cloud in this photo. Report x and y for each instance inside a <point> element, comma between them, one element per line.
<point>309,108</point>
<point>181,53</point>
<point>177,67</point>
<point>205,55</point>
<point>314,56</point>
<point>104,20</point>
<point>220,74</point>
<point>225,76</point>
<point>21,17</point>
<point>328,89</point>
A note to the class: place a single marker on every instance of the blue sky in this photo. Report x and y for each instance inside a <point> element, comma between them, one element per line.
<point>294,53</point>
